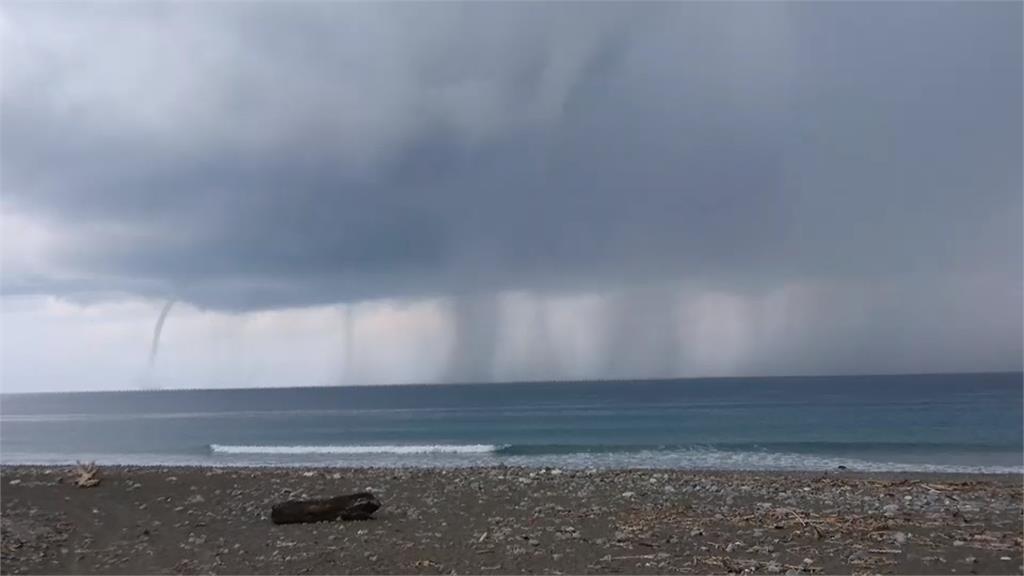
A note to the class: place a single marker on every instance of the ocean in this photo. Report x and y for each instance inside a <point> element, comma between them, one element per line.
<point>940,423</point>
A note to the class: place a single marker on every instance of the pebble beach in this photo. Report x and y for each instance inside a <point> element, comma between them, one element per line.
<point>511,521</point>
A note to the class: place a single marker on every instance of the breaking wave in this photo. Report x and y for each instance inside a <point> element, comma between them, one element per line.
<point>359,449</point>
<point>686,457</point>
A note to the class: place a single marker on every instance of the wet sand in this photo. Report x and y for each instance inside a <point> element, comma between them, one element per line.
<point>511,520</point>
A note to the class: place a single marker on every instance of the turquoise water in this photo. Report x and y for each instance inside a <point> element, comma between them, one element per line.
<point>957,422</point>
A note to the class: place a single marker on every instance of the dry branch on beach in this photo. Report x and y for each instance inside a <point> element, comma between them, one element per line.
<point>86,475</point>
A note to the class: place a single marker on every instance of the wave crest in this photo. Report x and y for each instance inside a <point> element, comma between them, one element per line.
<point>359,449</point>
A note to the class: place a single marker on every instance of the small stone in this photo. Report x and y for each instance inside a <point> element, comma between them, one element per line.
<point>890,510</point>
<point>970,560</point>
<point>773,567</point>
<point>195,499</point>
<point>15,482</point>
<point>628,494</point>
<point>858,557</point>
<point>808,561</point>
<point>900,538</point>
<point>696,532</point>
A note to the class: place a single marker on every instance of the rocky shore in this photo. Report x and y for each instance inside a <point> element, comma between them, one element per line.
<point>511,520</point>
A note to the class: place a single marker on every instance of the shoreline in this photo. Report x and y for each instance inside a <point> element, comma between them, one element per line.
<point>498,520</point>
<point>473,457</point>
<point>919,475</point>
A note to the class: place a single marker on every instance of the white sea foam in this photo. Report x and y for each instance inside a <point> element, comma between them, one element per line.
<point>455,456</point>
<point>710,459</point>
<point>358,449</point>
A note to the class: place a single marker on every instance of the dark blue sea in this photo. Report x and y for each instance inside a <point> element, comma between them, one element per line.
<point>957,422</point>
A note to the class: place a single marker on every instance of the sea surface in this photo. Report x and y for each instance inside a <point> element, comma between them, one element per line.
<point>951,423</point>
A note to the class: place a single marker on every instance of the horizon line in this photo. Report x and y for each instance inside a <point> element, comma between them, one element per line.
<point>525,382</point>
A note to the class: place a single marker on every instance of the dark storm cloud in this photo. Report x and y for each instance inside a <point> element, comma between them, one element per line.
<point>255,155</point>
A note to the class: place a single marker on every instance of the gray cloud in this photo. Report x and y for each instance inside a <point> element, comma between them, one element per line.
<point>246,156</point>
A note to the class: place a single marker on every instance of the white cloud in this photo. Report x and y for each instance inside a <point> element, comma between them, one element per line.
<point>26,245</point>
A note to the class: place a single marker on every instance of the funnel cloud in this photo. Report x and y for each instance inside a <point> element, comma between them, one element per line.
<point>154,348</point>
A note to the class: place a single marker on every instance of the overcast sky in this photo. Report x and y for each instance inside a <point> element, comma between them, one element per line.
<point>430,192</point>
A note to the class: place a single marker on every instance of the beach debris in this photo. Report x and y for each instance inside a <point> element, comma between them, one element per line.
<point>358,506</point>
<point>86,475</point>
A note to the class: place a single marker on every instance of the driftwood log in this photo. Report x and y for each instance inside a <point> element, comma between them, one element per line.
<point>358,506</point>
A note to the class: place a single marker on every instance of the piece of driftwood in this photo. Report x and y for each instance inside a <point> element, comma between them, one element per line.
<point>87,475</point>
<point>358,506</point>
